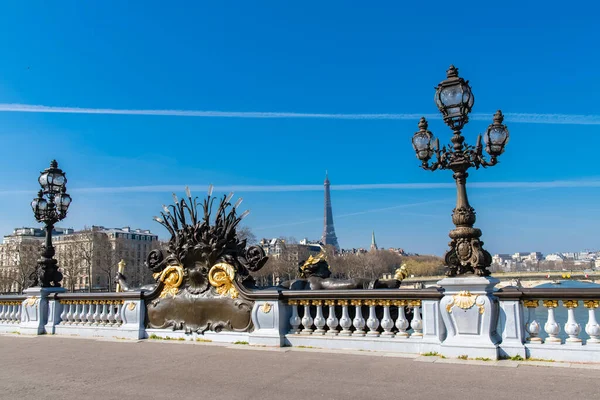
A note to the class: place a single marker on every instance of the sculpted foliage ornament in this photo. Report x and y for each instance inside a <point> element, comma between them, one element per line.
<point>199,276</point>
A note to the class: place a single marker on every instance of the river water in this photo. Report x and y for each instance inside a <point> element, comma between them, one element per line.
<point>560,313</point>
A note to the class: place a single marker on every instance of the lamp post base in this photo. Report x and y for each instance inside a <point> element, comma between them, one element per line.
<point>466,254</point>
<point>40,310</point>
<point>47,274</point>
<point>470,312</point>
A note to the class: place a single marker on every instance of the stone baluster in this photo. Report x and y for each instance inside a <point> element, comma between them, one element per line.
<point>9,308</point>
<point>64,311</point>
<point>111,313</point>
<point>417,322</point>
<point>307,319</point>
<point>69,318</point>
<point>97,309</point>
<point>89,316</point>
<point>77,312</point>
<point>13,312</point>
<point>552,327</point>
<point>592,328</point>
<point>572,328</point>
<point>372,321</point>
<point>386,322</point>
<point>532,326</point>
<point>18,313</point>
<point>119,310</point>
<point>2,311</point>
<point>358,321</point>
<point>104,315</point>
<point>401,322</point>
<point>332,321</point>
<point>319,319</point>
<point>83,313</point>
<point>345,321</point>
<point>294,319</point>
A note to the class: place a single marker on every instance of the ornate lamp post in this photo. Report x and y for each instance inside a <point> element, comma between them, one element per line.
<point>49,207</point>
<point>455,100</point>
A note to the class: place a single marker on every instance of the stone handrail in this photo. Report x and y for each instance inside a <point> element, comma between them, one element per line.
<point>10,311</point>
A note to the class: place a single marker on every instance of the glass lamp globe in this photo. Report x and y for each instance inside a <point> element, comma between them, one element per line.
<point>454,99</point>
<point>52,179</point>
<point>421,141</point>
<point>496,137</point>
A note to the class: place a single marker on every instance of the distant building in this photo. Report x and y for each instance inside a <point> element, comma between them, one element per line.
<point>88,258</point>
<point>373,242</point>
<point>555,257</point>
<point>19,253</point>
<point>398,251</point>
<point>278,248</point>
<point>329,237</point>
<point>527,256</point>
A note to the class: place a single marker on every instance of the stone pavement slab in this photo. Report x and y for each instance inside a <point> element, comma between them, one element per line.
<point>45,367</point>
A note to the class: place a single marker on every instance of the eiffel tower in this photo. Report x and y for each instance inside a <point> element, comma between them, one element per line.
<point>329,237</point>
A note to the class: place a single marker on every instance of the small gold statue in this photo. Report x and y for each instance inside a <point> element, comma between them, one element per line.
<point>121,268</point>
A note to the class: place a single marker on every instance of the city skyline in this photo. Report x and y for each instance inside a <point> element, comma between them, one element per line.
<point>265,102</point>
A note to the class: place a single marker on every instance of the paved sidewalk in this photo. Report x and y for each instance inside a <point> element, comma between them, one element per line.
<point>46,367</point>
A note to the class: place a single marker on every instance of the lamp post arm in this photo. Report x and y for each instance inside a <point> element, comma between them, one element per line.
<point>442,159</point>
<point>478,159</point>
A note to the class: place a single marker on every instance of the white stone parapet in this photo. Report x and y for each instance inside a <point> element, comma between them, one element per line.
<point>465,316</point>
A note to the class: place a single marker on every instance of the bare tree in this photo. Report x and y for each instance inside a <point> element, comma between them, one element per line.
<point>245,232</point>
<point>19,263</point>
<point>70,266</point>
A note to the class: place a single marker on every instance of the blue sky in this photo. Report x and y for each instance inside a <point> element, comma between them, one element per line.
<point>308,58</point>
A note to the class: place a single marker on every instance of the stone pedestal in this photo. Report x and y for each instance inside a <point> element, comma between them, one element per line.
<point>270,323</point>
<point>40,312</point>
<point>470,314</point>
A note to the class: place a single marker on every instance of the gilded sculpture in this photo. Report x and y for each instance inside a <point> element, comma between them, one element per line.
<point>315,274</point>
<point>199,275</point>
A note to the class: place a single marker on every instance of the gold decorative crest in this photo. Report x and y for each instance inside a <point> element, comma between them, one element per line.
<point>591,303</point>
<point>31,301</point>
<point>550,303</point>
<point>221,277</point>
<point>463,299</point>
<point>570,303</point>
<point>172,277</point>
<point>131,306</point>
<point>266,308</point>
<point>414,303</point>
<point>531,303</point>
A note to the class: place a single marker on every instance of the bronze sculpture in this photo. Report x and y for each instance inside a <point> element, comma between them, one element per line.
<point>197,280</point>
<point>315,274</point>
<point>204,276</point>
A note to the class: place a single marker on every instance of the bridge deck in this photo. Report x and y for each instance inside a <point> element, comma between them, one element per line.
<point>70,368</point>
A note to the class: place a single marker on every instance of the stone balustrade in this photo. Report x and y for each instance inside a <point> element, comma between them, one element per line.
<point>100,312</point>
<point>10,312</point>
<point>558,324</point>
<point>480,321</point>
<point>403,320</point>
<point>356,317</point>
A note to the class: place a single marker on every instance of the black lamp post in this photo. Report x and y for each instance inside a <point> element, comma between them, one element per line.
<point>455,100</point>
<point>49,207</point>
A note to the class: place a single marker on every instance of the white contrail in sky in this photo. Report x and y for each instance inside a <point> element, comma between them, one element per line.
<point>584,183</point>
<point>528,118</point>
